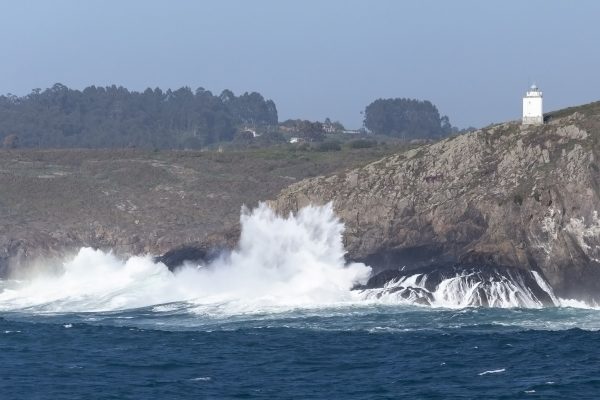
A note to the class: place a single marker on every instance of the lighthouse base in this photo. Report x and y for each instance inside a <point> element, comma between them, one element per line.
<point>539,120</point>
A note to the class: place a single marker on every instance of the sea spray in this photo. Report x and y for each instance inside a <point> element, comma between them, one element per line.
<point>293,261</point>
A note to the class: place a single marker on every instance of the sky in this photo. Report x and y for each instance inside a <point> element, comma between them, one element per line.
<point>473,59</point>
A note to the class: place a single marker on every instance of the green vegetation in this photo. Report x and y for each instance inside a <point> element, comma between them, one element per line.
<point>407,119</point>
<point>330,145</point>
<point>362,143</point>
<point>307,130</point>
<point>115,117</point>
<point>301,126</point>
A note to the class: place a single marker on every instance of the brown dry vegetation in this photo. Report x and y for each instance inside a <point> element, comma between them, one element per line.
<point>142,201</point>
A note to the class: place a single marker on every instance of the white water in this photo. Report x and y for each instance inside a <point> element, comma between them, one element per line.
<point>281,263</point>
<point>465,289</point>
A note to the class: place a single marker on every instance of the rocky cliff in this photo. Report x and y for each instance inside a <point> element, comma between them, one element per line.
<point>508,195</point>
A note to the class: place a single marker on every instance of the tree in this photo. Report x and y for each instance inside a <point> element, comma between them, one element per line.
<point>406,118</point>
<point>311,131</point>
<point>250,108</point>
<point>10,142</point>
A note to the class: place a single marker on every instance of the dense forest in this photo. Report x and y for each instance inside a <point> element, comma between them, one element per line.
<point>407,119</point>
<point>116,117</point>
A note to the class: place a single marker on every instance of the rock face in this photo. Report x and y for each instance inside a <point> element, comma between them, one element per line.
<point>510,195</point>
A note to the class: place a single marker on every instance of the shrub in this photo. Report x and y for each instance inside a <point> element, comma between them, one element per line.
<point>11,142</point>
<point>330,145</point>
<point>362,143</point>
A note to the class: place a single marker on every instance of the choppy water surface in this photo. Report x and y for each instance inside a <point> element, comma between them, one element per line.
<point>175,351</point>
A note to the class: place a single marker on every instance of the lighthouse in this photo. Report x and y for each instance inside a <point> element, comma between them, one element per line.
<point>533,113</point>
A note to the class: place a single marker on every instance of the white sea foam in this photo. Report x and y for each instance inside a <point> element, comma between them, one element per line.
<point>572,303</point>
<point>296,261</point>
<point>493,371</point>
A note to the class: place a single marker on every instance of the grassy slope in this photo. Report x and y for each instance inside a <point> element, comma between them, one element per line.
<point>181,195</point>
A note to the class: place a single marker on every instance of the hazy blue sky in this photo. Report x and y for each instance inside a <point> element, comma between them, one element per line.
<point>314,58</point>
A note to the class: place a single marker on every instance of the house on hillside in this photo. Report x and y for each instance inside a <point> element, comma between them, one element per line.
<point>247,130</point>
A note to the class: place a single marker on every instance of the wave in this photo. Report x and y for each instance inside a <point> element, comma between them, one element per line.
<point>280,263</point>
<point>459,287</point>
<point>294,261</point>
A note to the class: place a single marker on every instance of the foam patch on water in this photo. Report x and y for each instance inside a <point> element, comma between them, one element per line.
<point>572,303</point>
<point>493,371</point>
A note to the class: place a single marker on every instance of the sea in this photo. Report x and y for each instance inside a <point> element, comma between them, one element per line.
<point>280,317</point>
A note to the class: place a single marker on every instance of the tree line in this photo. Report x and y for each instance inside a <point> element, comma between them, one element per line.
<point>116,117</point>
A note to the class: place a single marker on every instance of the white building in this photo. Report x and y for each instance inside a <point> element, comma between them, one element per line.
<point>533,112</point>
<point>252,131</point>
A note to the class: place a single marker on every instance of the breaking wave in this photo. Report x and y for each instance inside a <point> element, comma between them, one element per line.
<point>466,287</point>
<point>296,261</point>
<point>280,263</point>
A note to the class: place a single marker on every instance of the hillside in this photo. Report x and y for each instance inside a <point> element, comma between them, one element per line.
<point>507,195</point>
<point>134,201</point>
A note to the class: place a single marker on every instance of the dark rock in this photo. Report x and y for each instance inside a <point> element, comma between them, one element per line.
<point>177,257</point>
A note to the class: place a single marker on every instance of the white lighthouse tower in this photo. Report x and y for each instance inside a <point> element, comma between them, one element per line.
<point>533,112</point>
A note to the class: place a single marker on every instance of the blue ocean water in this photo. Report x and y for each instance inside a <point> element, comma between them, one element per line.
<point>347,352</point>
